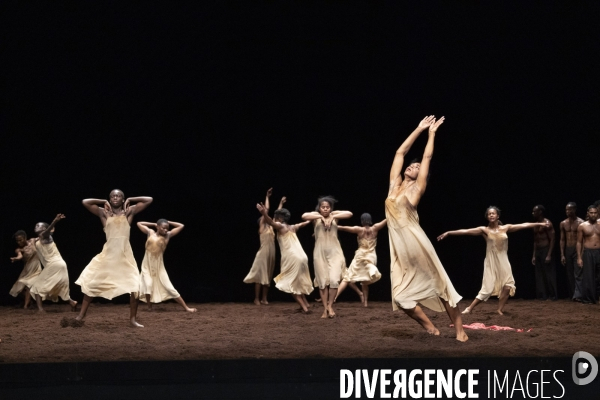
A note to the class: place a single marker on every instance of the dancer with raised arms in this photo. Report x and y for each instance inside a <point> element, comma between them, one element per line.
<point>363,268</point>
<point>53,281</point>
<point>155,285</point>
<point>328,256</point>
<point>497,273</point>
<point>417,274</point>
<point>261,272</point>
<point>114,271</point>
<point>294,277</point>
<point>31,270</point>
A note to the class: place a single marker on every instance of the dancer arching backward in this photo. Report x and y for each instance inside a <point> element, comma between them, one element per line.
<point>25,251</point>
<point>155,286</point>
<point>294,277</point>
<point>328,256</point>
<point>497,274</point>
<point>53,281</point>
<point>261,272</point>
<point>416,272</point>
<point>363,268</point>
<point>113,272</point>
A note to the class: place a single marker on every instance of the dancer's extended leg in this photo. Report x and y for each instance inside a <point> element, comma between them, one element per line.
<point>27,297</point>
<point>38,300</point>
<point>341,288</point>
<point>133,305</point>
<point>365,292</point>
<point>469,309</point>
<point>300,301</point>
<point>257,294</point>
<point>418,315</point>
<point>331,297</point>
<point>503,299</point>
<point>148,302</point>
<point>84,307</point>
<point>265,291</point>
<point>455,317</point>
<point>182,304</point>
<point>325,299</point>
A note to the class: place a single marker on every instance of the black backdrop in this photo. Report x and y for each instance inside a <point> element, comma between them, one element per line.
<point>205,105</point>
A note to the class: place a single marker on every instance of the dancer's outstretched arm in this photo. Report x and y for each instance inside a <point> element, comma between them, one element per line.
<point>46,233</point>
<point>426,161</point>
<point>295,227</point>
<point>380,225</point>
<point>395,177</point>
<point>526,225</point>
<point>350,229</point>
<point>145,226</point>
<point>480,230</point>
<point>177,228</point>
<point>282,202</point>
<point>268,220</point>
<point>18,257</point>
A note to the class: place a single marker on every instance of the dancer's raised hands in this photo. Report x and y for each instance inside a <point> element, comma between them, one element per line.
<point>435,125</point>
<point>427,122</point>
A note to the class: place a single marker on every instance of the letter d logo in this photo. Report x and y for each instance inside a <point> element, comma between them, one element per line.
<point>581,364</point>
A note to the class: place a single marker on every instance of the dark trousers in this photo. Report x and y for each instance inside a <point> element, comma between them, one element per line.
<point>590,279</point>
<point>545,275</point>
<point>571,266</point>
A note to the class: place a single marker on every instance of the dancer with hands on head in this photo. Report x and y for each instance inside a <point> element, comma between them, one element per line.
<point>294,277</point>
<point>417,274</point>
<point>155,285</point>
<point>328,256</point>
<point>53,281</point>
<point>261,272</point>
<point>114,271</point>
<point>31,270</point>
<point>363,268</point>
<point>497,273</point>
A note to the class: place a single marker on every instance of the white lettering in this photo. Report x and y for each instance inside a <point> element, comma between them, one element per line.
<point>357,387</point>
<point>370,384</point>
<point>346,390</point>
<point>445,383</point>
<point>535,384</point>
<point>384,383</point>
<point>563,388</point>
<point>412,384</point>
<point>517,377</point>
<point>504,382</point>
<point>427,384</point>
<point>472,383</point>
<point>459,394</point>
<point>542,384</point>
<point>400,382</point>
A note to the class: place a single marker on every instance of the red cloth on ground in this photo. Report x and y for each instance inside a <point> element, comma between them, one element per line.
<point>480,326</point>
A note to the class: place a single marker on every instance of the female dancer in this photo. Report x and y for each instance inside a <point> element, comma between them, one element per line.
<point>261,272</point>
<point>114,271</point>
<point>53,281</point>
<point>363,268</point>
<point>154,281</point>
<point>32,268</point>
<point>497,274</point>
<point>328,256</point>
<point>294,277</point>
<point>416,272</point>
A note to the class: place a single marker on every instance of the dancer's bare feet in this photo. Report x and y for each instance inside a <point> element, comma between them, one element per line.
<point>318,300</point>
<point>257,302</point>
<point>73,304</point>
<point>134,324</point>
<point>264,302</point>
<point>462,337</point>
<point>78,318</point>
<point>190,309</point>
<point>331,313</point>
<point>499,312</point>
<point>433,331</point>
<point>324,314</point>
<point>362,298</point>
<point>467,311</point>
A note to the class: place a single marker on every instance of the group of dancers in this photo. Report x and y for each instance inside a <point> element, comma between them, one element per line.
<point>417,275</point>
<point>111,273</point>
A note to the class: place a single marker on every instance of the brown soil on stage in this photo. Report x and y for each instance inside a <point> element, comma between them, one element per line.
<point>235,330</point>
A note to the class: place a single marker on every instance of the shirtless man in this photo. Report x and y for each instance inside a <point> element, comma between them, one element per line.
<point>588,256</point>
<point>568,251</point>
<point>543,244</point>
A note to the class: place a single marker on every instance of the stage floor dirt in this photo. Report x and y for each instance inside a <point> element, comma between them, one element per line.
<point>238,331</point>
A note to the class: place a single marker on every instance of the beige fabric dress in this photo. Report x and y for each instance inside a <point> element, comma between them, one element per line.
<point>364,265</point>
<point>31,269</point>
<point>330,264</point>
<point>153,278</point>
<point>294,277</point>
<point>497,272</point>
<point>417,274</point>
<point>114,271</point>
<point>53,281</point>
<point>264,262</point>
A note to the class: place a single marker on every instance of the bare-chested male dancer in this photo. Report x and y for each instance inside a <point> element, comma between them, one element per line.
<point>543,244</point>
<point>568,249</point>
<point>114,271</point>
<point>588,256</point>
